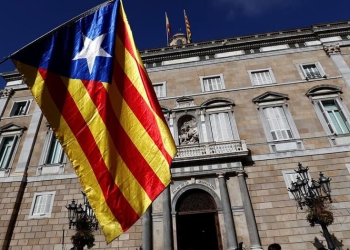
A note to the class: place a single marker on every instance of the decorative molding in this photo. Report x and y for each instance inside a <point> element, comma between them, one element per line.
<point>5,93</point>
<point>332,49</point>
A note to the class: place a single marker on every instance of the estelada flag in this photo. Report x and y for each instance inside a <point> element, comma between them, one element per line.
<point>188,28</point>
<point>89,80</point>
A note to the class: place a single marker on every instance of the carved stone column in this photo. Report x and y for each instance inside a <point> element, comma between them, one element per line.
<point>147,238</point>
<point>167,221</point>
<point>249,213</point>
<point>228,217</point>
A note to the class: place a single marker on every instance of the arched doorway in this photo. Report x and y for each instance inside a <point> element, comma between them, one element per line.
<point>197,222</point>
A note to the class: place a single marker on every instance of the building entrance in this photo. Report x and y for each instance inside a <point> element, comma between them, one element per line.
<point>197,222</point>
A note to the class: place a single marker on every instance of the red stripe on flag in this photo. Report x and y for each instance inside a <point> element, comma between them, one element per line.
<point>126,148</point>
<point>140,109</point>
<point>117,203</point>
<point>122,32</point>
<point>123,35</point>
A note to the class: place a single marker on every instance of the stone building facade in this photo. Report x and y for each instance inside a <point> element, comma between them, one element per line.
<point>243,111</point>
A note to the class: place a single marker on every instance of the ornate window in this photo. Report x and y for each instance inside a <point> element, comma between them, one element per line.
<point>219,124</point>
<point>52,158</point>
<point>332,112</point>
<point>277,121</point>
<point>9,138</point>
<point>221,127</point>
<point>7,145</point>
<point>55,154</point>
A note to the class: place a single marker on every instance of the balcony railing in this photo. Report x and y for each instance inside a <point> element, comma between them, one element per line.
<point>204,150</point>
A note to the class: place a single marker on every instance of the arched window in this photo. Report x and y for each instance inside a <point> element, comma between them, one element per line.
<point>220,121</point>
<point>332,112</point>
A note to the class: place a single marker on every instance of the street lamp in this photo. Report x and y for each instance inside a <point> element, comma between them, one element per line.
<point>314,194</point>
<point>83,218</point>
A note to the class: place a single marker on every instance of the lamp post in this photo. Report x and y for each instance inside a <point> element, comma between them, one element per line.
<point>82,218</point>
<point>313,196</point>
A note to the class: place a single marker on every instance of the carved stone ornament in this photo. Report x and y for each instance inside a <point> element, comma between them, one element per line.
<point>332,49</point>
<point>188,133</point>
<point>184,102</point>
<point>7,92</point>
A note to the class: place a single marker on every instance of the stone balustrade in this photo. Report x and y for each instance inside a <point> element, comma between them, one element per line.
<point>211,148</point>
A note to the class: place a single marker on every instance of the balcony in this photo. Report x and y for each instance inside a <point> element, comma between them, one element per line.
<point>210,151</point>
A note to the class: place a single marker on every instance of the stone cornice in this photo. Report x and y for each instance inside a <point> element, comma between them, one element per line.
<point>301,35</point>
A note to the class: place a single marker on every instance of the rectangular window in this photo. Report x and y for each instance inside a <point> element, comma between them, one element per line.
<point>289,177</point>
<point>311,71</point>
<point>6,149</point>
<point>334,116</point>
<point>160,89</point>
<point>261,77</point>
<point>42,205</point>
<point>221,127</point>
<point>55,152</point>
<point>212,83</point>
<point>278,124</point>
<point>20,108</point>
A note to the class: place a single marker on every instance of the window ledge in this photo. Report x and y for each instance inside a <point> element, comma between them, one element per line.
<point>49,169</point>
<point>284,146</point>
<point>339,140</point>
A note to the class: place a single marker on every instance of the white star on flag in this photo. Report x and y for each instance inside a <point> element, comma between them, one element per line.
<point>92,49</point>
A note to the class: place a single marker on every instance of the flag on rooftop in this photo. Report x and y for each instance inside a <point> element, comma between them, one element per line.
<point>188,28</point>
<point>168,30</point>
<point>89,80</point>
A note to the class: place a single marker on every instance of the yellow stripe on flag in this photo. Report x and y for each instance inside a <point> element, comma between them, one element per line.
<point>137,132</point>
<point>124,179</point>
<point>105,217</point>
<point>129,66</point>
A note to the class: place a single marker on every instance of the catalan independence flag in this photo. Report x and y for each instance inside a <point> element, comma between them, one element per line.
<point>89,80</point>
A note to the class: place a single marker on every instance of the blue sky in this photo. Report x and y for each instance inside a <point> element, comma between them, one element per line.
<point>23,21</point>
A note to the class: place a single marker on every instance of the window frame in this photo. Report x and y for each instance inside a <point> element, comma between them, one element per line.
<point>14,146</point>
<point>220,76</point>
<point>289,118</point>
<point>321,93</point>
<point>163,84</point>
<point>49,140</point>
<point>229,128</point>
<point>289,176</point>
<point>269,100</point>
<point>14,108</point>
<point>46,214</point>
<point>252,80</point>
<point>330,122</point>
<point>303,73</point>
<point>217,106</point>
